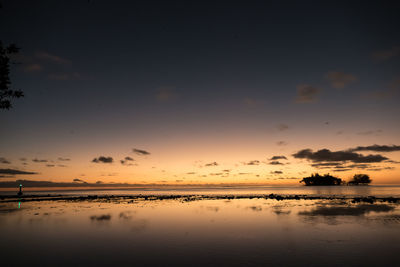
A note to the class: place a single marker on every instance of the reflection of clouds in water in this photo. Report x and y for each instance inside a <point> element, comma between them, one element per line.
<point>215,209</point>
<point>125,215</point>
<point>347,210</point>
<point>135,225</point>
<point>363,214</point>
<point>281,212</point>
<point>103,219</point>
<point>139,225</point>
<point>254,208</point>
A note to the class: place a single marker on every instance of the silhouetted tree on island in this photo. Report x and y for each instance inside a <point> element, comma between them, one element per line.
<point>316,179</point>
<point>6,94</point>
<point>360,179</point>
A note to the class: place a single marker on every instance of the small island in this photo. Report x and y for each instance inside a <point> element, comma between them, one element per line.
<point>327,179</point>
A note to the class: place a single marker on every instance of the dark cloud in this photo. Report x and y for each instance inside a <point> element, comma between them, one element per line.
<point>140,152</point>
<point>211,164</point>
<point>277,157</point>
<point>4,161</point>
<point>342,169</point>
<point>326,165</point>
<point>377,148</point>
<point>377,132</point>
<point>380,169</point>
<point>276,172</point>
<point>79,180</point>
<point>126,161</point>
<point>252,162</point>
<point>50,165</point>
<point>275,162</point>
<point>339,79</point>
<point>215,173</point>
<point>15,172</point>
<point>190,173</point>
<point>39,160</point>
<point>281,143</point>
<point>64,159</point>
<point>103,159</point>
<point>307,93</point>
<point>282,127</point>
<point>340,156</point>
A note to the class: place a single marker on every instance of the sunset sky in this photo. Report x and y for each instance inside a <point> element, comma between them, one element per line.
<point>183,92</point>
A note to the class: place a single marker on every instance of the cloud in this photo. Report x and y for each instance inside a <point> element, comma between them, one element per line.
<point>252,162</point>
<point>126,161</point>
<point>277,157</point>
<point>281,143</point>
<point>64,159</point>
<point>140,152</point>
<point>276,172</point>
<point>15,172</point>
<point>52,58</point>
<point>79,180</point>
<point>339,79</point>
<point>386,54</point>
<point>275,162</point>
<point>327,165</point>
<point>34,67</point>
<point>340,156</point>
<point>282,127</point>
<point>211,164</point>
<point>215,173</point>
<point>307,93</point>
<point>103,159</point>
<point>392,91</point>
<point>377,132</point>
<point>50,165</point>
<point>377,148</point>
<point>251,102</point>
<point>4,161</point>
<point>166,94</point>
<point>39,160</point>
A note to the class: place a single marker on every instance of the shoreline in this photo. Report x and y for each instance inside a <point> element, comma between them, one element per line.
<point>191,197</point>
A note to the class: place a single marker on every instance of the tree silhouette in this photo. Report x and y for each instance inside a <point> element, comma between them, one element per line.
<point>317,179</point>
<point>6,94</point>
<point>360,179</point>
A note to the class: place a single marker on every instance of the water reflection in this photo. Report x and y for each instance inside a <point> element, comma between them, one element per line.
<point>208,232</point>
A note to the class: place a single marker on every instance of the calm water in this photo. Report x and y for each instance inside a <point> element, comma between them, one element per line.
<point>237,232</point>
<point>372,190</point>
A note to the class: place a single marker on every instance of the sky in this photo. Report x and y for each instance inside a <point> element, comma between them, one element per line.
<point>202,92</point>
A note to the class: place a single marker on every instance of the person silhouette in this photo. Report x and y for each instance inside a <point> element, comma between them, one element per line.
<point>20,190</point>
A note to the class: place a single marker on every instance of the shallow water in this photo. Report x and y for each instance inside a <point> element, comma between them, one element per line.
<point>371,190</point>
<point>209,232</point>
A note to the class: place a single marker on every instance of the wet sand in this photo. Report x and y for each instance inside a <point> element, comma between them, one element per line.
<point>199,230</point>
